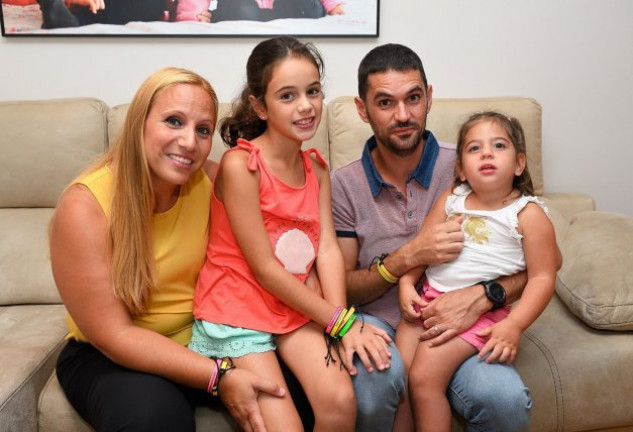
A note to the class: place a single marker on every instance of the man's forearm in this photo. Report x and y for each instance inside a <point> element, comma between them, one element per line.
<point>514,286</point>
<point>364,286</point>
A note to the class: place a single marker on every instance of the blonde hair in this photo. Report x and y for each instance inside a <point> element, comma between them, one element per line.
<point>132,206</point>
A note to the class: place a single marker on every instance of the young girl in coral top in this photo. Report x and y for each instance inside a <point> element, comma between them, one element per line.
<point>271,224</point>
<point>506,230</point>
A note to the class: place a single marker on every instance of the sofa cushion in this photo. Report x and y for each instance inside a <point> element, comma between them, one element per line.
<point>44,145</point>
<point>25,268</point>
<point>579,378</point>
<point>32,337</point>
<point>596,278</point>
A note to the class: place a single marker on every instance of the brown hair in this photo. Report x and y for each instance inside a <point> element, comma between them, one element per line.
<point>523,182</point>
<point>243,121</point>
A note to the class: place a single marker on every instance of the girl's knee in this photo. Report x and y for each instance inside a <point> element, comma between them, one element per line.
<point>423,384</point>
<point>336,408</point>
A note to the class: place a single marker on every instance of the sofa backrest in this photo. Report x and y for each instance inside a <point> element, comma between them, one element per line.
<point>44,145</point>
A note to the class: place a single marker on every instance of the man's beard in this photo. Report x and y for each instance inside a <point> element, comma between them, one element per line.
<point>403,148</point>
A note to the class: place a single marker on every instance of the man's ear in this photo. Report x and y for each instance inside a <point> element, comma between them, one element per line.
<point>258,107</point>
<point>361,108</point>
<point>521,162</point>
<point>429,98</point>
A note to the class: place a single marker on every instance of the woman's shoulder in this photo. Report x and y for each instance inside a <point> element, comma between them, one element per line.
<point>79,210</point>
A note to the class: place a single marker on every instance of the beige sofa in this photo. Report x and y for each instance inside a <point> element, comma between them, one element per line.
<point>576,358</point>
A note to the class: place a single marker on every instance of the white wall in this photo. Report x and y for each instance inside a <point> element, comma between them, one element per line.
<point>574,56</point>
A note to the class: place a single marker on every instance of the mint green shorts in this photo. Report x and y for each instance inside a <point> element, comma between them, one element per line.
<point>221,340</point>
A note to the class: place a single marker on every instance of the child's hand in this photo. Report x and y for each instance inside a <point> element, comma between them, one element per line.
<point>410,303</point>
<point>338,10</point>
<point>369,343</point>
<point>503,343</point>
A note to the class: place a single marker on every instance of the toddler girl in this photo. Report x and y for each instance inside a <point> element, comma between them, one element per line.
<point>506,230</point>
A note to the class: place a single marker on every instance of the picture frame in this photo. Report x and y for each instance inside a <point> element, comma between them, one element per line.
<point>360,18</point>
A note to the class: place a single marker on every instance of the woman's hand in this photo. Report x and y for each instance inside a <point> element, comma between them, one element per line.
<point>369,343</point>
<point>239,389</point>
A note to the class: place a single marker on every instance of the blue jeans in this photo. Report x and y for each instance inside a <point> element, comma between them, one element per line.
<point>490,397</point>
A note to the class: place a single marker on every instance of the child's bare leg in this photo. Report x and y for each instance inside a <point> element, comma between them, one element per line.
<point>328,388</point>
<point>279,413</point>
<point>407,343</point>
<point>430,374</point>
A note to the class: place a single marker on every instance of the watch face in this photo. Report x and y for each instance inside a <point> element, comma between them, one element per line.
<point>495,293</point>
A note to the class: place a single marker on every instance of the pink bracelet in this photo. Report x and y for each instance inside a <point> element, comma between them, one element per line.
<point>214,377</point>
<point>334,319</point>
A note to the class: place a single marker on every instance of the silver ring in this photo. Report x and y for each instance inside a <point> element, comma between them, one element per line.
<point>436,330</point>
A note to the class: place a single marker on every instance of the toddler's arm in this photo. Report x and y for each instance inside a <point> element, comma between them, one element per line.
<point>542,259</point>
<point>408,296</point>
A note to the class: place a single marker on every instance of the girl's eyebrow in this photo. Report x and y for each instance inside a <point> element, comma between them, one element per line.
<point>292,87</point>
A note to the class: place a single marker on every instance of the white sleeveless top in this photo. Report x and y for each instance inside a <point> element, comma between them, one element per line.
<point>492,245</point>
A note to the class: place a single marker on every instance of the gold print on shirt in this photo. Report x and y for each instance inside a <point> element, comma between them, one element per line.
<point>476,230</point>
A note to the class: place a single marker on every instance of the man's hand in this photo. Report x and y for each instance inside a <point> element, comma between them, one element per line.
<point>437,243</point>
<point>239,390</point>
<point>452,313</point>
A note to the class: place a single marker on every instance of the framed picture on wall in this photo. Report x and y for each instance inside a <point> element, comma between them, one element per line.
<point>172,18</point>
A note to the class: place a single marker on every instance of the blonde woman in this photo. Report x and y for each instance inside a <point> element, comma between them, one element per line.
<point>127,241</point>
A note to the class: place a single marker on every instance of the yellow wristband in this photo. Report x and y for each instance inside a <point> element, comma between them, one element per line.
<point>385,274</point>
<point>344,321</point>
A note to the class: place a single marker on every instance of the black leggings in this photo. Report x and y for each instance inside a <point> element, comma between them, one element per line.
<point>110,397</point>
<point>231,10</point>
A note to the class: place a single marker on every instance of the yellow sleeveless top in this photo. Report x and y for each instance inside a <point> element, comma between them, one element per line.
<point>180,241</point>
